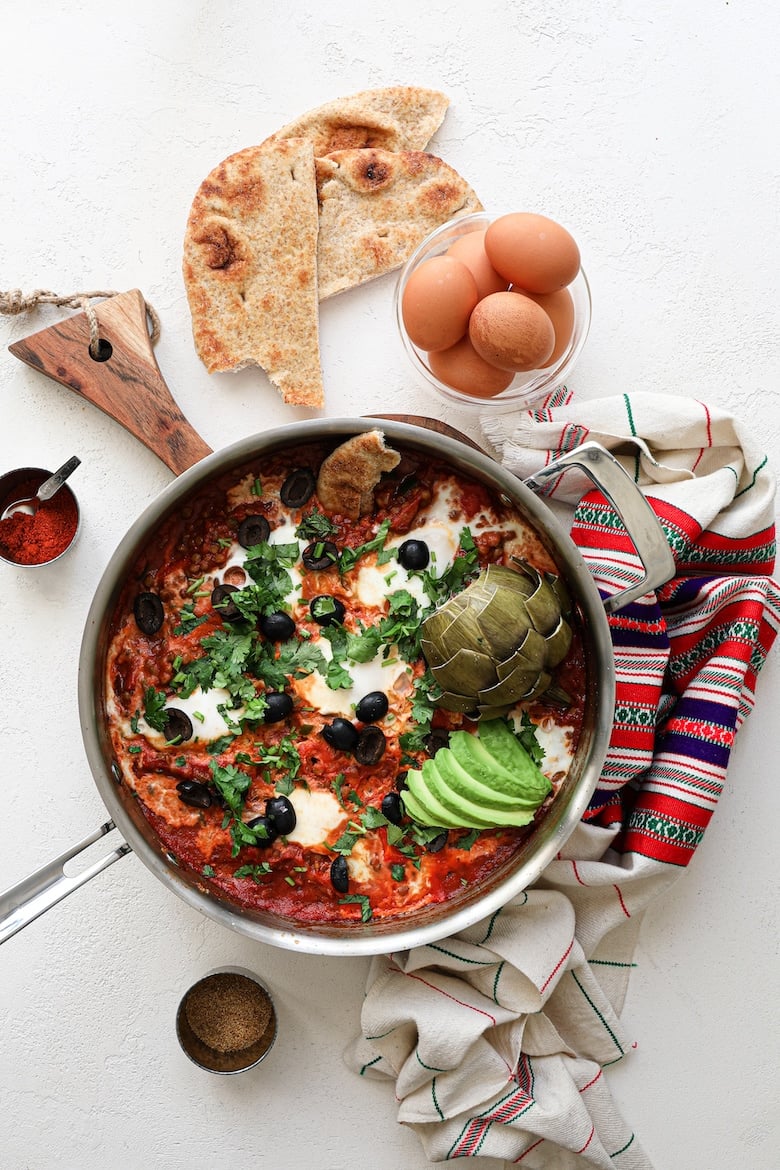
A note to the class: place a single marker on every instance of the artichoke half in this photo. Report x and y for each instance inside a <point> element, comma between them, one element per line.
<point>497,642</point>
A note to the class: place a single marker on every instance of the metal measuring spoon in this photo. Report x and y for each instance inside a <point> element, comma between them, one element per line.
<point>45,492</point>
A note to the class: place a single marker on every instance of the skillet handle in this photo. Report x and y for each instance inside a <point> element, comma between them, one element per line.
<point>640,520</point>
<point>34,895</point>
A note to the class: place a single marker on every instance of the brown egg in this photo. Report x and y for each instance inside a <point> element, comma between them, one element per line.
<point>559,307</point>
<point>437,302</point>
<point>532,251</point>
<point>470,250</point>
<point>463,369</point>
<point>511,331</point>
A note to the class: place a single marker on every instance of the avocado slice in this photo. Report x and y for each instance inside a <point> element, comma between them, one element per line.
<point>464,782</point>
<point>417,812</point>
<point>425,808</point>
<point>478,814</point>
<point>485,773</point>
<point>506,750</point>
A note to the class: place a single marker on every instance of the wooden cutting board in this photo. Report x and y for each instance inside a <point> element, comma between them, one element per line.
<point>127,384</point>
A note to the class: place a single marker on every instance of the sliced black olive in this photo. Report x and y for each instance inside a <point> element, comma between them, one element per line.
<point>392,808</point>
<point>433,741</point>
<point>253,530</point>
<point>414,554</point>
<point>320,555</point>
<point>341,734</point>
<point>193,793</point>
<point>220,601</point>
<point>400,781</point>
<point>277,627</point>
<point>177,726</point>
<point>278,706</point>
<point>438,843</point>
<point>149,613</point>
<point>372,707</point>
<point>326,610</point>
<point>281,814</point>
<point>339,874</point>
<point>370,746</point>
<point>298,487</point>
<point>264,828</point>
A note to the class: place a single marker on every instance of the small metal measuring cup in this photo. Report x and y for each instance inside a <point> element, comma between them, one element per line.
<point>227,1006</point>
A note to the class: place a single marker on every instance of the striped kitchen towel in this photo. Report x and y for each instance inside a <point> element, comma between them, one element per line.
<point>497,1039</point>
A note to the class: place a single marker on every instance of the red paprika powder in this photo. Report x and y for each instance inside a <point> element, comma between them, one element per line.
<point>34,540</point>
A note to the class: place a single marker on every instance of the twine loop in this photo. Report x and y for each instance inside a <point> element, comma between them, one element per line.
<point>14,301</point>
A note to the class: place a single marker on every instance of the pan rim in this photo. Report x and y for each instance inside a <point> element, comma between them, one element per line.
<point>393,934</point>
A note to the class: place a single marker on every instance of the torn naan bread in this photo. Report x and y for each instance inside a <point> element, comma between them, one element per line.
<point>376,206</point>
<point>398,117</point>
<point>250,267</point>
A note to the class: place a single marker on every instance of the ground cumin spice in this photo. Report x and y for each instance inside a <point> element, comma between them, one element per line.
<point>34,540</point>
<point>228,1012</point>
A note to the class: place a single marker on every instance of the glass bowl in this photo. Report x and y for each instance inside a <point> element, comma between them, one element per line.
<point>526,388</point>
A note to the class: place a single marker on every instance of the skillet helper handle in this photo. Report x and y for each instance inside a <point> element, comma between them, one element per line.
<point>34,895</point>
<point>641,522</point>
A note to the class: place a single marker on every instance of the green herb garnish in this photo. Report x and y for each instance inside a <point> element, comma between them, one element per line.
<point>154,708</point>
<point>362,901</point>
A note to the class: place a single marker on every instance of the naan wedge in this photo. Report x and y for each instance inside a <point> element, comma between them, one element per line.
<point>398,117</point>
<point>376,206</point>
<point>250,267</point>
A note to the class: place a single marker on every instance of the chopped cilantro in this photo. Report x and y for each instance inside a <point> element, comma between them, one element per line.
<point>363,645</point>
<point>231,783</point>
<point>362,901</point>
<point>373,819</point>
<point>154,708</point>
<point>527,737</point>
<point>347,840</point>
<point>349,557</point>
<point>401,626</point>
<point>188,620</point>
<point>180,761</point>
<point>337,676</point>
<point>468,840</point>
<point>254,871</point>
<point>208,871</point>
<point>323,607</point>
<point>282,758</point>
<point>397,872</point>
<point>395,833</point>
<point>337,784</point>
<point>134,749</point>
<point>315,525</point>
<point>455,576</point>
<point>218,746</point>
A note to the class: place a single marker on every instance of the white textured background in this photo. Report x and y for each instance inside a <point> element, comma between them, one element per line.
<point>649,128</point>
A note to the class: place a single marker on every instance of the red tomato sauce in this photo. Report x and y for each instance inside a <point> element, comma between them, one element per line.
<point>393,867</point>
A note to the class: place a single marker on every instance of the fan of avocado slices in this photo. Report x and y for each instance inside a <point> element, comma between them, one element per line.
<point>483,780</point>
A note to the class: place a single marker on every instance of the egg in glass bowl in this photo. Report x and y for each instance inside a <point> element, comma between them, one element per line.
<point>494,308</point>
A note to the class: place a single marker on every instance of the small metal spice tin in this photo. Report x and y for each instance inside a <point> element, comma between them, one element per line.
<point>29,542</point>
<point>226,1022</point>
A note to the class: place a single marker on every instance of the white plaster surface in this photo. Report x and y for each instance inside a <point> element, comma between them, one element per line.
<point>650,127</point>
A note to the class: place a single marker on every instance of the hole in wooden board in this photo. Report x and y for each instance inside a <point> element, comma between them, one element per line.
<point>104,350</point>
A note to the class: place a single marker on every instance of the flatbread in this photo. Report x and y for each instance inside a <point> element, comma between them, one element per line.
<point>398,117</point>
<point>250,267</point>
<point>348,476</point>
<point>376,206</point>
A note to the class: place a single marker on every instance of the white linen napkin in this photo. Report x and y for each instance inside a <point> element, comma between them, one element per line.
<point>497,1039</point>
